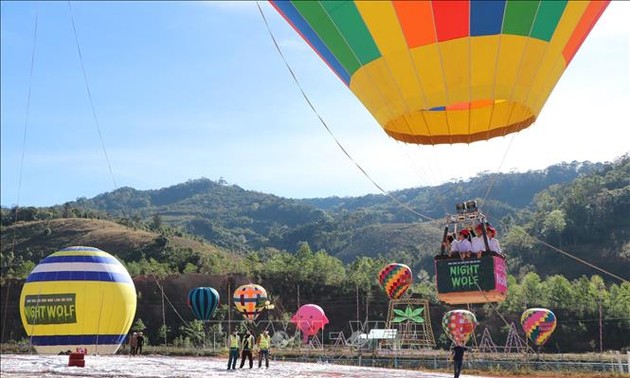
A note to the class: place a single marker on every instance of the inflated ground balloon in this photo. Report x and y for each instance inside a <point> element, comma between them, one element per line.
<point>78,297</point>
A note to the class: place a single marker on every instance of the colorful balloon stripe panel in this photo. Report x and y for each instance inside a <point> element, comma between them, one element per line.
<point>78,340</point>
<point>434,72</point>
<point>343,32</point>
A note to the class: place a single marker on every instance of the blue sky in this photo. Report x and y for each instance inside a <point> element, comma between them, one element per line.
<point>183,90</point>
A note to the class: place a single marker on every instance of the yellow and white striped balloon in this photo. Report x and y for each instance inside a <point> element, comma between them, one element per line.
<point>78,297</point>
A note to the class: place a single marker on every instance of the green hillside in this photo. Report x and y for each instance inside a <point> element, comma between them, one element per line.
<point>328,251</point>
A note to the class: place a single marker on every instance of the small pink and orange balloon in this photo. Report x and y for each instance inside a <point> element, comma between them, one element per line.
<point>538,324</point>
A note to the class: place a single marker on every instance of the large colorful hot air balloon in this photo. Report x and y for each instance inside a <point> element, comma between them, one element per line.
<point>78,297</point>
<point>310,319</point>
<point>250,300</point>
<point>538,324</point>
<point>434,72</point>
<point>395,279</point>
<point>459,325</point>
<point>203,301</point>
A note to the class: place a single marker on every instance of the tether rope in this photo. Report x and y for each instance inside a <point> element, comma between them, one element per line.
<point>168,300</point>
<point>21,169</point>
<point>89,93</point>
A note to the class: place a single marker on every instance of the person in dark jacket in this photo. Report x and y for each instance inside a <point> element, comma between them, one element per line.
<point>140,342</point>
<point>458,358</point>
<point>246,349</point>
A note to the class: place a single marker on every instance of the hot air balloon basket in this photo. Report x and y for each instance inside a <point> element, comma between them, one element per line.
<point>76,359</point>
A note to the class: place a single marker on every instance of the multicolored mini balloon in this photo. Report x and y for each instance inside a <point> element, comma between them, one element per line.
<point>250,300</point>
<point>538,324</point>
<point>395,279</point>
<point>459,325</point>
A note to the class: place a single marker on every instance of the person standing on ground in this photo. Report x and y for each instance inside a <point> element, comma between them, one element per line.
<point>458,358</point>
<point>233,342</point>
<point>264,343</point>
<point>246,349</point>
<point>133,344</point>
<point>140,342</point>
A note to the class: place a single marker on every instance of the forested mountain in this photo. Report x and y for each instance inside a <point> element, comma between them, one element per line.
<point>579,206</point>
<point>328,251</point>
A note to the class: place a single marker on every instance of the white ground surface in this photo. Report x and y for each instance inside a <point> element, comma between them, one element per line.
<point>160,366</point>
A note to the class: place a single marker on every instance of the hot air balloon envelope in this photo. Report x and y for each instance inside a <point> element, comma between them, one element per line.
<point>78,297</point>
<point>395,279</point>
<point>250,300</point>
<point>309,319</point>
<point>434,72</point>
<point>203,301</point>
<point>538,324</point>
<point>459,325</point>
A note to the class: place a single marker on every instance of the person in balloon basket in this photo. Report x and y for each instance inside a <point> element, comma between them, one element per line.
<point>233,341</point>
<point>464,247</point>
<point>264,343</point>
<point>458,358</point>
<point>452,242</point>
<point>246,349</point>
<point>478,244</point>
<point>493,242</point>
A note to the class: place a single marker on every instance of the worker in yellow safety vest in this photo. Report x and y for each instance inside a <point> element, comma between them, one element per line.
<point>233,342</point>
<point>264,344</point>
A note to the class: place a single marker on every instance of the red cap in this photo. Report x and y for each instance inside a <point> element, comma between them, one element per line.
<point>464,232</point>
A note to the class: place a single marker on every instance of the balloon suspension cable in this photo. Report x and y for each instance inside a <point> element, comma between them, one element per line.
<point>494,177</point>
<point>321,120</point>
<point>91,101</point>
<point>169,301</point>
<point>21,169</point>
<point>556,249</point>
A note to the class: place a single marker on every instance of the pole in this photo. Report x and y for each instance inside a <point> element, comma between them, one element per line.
<point>357,287</point>
<point>367,305</point>
<point>601,341</point>
<point>164,317</point>
<point>229,307</point>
